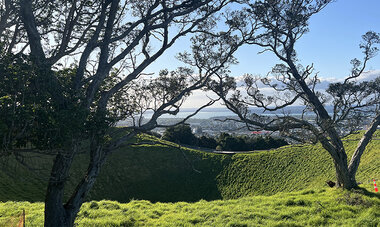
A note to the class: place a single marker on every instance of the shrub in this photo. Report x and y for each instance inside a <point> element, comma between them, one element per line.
<point>245,143</point>
<point>207,142</point>
<point>180,134</point>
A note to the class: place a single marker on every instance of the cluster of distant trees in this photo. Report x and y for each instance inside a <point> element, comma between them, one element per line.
<point>183,134</point>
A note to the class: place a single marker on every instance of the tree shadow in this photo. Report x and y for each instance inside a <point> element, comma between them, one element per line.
<point>365,192</point>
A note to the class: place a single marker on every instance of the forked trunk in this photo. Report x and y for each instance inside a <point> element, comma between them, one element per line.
<point>58,214</point>
<point>343,177</point>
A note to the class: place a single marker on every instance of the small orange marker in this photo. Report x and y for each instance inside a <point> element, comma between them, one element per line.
<point>374,185</point>
<point>21,223</point>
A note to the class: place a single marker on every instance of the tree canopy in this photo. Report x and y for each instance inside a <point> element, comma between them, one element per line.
<point>276,26</point>
<point>71,69</point>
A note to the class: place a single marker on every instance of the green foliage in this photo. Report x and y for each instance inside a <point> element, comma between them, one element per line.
<point>229,142</point>
<point>207,142</point>
<point>21,98</point>
<point>180,134</point>
<point>321,207</point>
<point>183,134</point>
<point>30,114</point>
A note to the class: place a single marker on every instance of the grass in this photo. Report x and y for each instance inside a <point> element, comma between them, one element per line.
<point>281,187</point>
<point>130,173</point>
<point>322,207</point>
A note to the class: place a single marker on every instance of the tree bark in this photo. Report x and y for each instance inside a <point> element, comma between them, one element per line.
<point>73,205</point>
<point>30,26</point>
<point>55,213</point>
<point>355,159</point>
<point>343,177</point>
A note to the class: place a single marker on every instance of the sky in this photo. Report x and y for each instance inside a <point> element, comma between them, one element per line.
<point>333,40</point>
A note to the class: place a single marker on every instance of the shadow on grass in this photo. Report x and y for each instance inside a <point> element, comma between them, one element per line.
<point>365,192</point>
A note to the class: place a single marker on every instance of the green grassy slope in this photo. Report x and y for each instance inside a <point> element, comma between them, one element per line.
<point>164,173</point>
<point>152,172</point>
<point>292,168</point>
<point>323,207</point>
<point>160,173</point>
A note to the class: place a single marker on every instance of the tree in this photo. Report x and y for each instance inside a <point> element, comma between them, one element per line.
<point>279,24</point>
<point>180,134</point>
<point>231,143</point>
<point>87,62</point>
<point>207,142</point>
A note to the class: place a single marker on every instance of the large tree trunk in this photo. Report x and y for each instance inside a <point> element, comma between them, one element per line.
<point>343,177</point>
<point>355,159</point>
<point>73,205</point>
<point>346,173</point>
<point>55,213</point>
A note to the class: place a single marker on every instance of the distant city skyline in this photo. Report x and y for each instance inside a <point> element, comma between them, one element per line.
<point>333,40</point>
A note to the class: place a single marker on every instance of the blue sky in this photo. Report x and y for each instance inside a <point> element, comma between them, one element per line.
<point>333,40</point>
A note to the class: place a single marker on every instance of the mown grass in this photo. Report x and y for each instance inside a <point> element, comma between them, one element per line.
<point>322,207</point>
<point>292,168</point>
<point>164,173</point>
<point>282,187</point>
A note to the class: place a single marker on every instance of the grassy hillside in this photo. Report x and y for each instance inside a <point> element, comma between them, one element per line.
<point>152,172</point>
<point>168,174</point>
<point>332,207</point>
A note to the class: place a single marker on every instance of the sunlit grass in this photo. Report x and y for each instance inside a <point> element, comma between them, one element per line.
<point>129,173</point>
<point>325,206</point>
<point>282,187</point>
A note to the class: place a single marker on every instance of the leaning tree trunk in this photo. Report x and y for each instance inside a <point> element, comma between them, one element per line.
<point>364,141</point>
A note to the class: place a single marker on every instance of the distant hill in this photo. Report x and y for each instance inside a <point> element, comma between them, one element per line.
<point>163,172</point>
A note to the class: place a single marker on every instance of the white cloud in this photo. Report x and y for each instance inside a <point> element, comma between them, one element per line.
<point>199,98</point>
<point>369,75</point>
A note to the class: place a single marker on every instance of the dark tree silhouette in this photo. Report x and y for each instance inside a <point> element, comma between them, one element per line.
<point>180,134</point>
